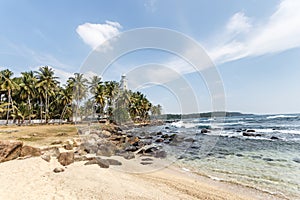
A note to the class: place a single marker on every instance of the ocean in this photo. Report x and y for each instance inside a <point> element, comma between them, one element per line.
<point>259,151</point>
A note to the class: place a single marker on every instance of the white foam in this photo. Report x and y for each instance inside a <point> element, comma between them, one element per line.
<point>281,116</point>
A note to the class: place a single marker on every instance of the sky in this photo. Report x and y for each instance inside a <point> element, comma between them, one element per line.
<point>253,44</point>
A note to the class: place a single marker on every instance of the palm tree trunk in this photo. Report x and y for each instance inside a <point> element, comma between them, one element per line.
<point>7,114</point>
<point>29,107</point>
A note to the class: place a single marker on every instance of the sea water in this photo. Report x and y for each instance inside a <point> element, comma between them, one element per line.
<point>269,161</point>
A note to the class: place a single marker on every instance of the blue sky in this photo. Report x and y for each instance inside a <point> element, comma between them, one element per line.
<point>254,44</point>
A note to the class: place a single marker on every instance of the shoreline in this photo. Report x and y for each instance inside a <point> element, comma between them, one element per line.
<point>33,178</point>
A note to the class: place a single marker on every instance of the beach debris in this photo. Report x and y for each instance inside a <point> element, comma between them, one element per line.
<point>46,157</point>
<point>30,151</point>
<point>66,158</point>
<point>10,150</point>
<point>58,170</point>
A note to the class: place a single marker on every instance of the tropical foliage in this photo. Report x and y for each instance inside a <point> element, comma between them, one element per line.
<point>39,96</point>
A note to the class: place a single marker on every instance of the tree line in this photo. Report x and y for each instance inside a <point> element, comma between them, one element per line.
<point>39,95</point>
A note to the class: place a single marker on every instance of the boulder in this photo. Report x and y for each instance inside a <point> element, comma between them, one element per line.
<point>125,154</point>
<point>113,162</point>
<point>29,151</point>
<point>10,150</point>
<point>66,158</point>
<point>250,134</point>
<point>52,151</point>
<point>106,149</point>
<point>99,161</point>
<point>205,130</point>
<point>250,131</point>
<point>56,142</point>
<point>297,160</point>
<point>106,133</point>
<point>274,138</point>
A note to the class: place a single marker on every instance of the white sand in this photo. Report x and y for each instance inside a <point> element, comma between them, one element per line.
<point>34,178</point>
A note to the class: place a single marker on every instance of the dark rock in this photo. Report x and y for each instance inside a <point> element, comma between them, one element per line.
<point>189,140</point>
<point>10,150</point>
<point>58,170</point>
<point>66,158</point>
<point>146,163</point>
<point>239,155</point>
<point>147,159</point>
<point>205,130</point>
<point>250,131</point>
<point>106,149</point>
<point>256,157</point>
<point>78,158</point>
<point>249,134</point>
<point>130,148</point>
<point>159,140</point>
<point>297,160</point>
<point>167,127</point>
<point>99,161</point>
<point>268,159</point>
<point>159,133</point>
<point>274,138</point>
<point>28,151</point>
<point>165,136</point>
<point>68,145</point>
<point>46,157</point>
<point>114,162</point>
<point>160,154</point>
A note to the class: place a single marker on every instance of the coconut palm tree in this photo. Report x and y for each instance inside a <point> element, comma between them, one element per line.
<point>8,85</point>
<point>79,85</point>
<point>100,98</point>
<point>27,90</point>
<point>111,91</point>
<point>46,84</point>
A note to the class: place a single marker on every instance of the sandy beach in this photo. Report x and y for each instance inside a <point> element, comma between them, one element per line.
<point>33,178</point>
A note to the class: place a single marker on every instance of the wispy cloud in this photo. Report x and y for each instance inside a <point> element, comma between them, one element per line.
<point>242,38</point>
<point>150,5</point>
<point>96,34</point>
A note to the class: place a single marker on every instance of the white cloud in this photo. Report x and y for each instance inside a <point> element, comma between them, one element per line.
<point>96,34</point>
<point>242,39</point>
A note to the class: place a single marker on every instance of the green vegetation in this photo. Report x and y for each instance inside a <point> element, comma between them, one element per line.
<point>39,95</point>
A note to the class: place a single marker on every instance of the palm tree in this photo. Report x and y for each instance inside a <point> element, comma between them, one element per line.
<point>79,85</point>
<point>93,84</point>
<point>8,85</point>
<point>100,98</point>
<point>66,98</point>
<point>46,84</point>
<point>111,91</point>
<point>27,90</point>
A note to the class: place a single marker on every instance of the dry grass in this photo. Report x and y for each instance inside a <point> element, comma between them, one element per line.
<point>38,135</point>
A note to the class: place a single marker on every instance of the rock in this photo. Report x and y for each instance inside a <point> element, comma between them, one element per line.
<point>66,158</point>
<point>165,136</point>
<point>160,154</point>
<point>146,163</point>
<point>189,140</point>
<point>106,133</point>
<point>297,160</point>
<point>159,133</point>
<point>239,155</point>
<point>58,170</point>
<point>113,162</point>
<point>62,134</point>
<point>147,159</point>
<point>274,138</point>
<point>68,146</point>
<point>127,155</point>
<point>46,157</point>
<point>10,150</point>
<point>159,140</point>
<point>56,142</point>
<point>130,148</point>
<point>107,149</point>
<point>28,151</point>
<point>52,151</point>
<point>81,158</point>
<point>249,134</point>
<point>204,130</point>
<point>99,161</point>
<point>250,131</point>
<point>268,159</point>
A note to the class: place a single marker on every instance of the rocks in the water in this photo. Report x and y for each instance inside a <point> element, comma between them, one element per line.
<point>239,155</point>
<point>46,157</point>
<point>297,160</point>
<point>189,140</point>
<point>58,170</point>
<point>251,134</point>
<point>10,150</point>
<point>126,154</point>
<point>274,138</point>
<point>29,151</point>
<point>250,131</point>
<point>66,158</point>
<point>99,161</point>
<point>204,130</point>
<point>268,159</point>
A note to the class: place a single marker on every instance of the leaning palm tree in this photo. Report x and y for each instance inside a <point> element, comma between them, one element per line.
<point>8,85</point>
<point>46,84</point>
<point>79,85</point>
<point>65,99</point>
